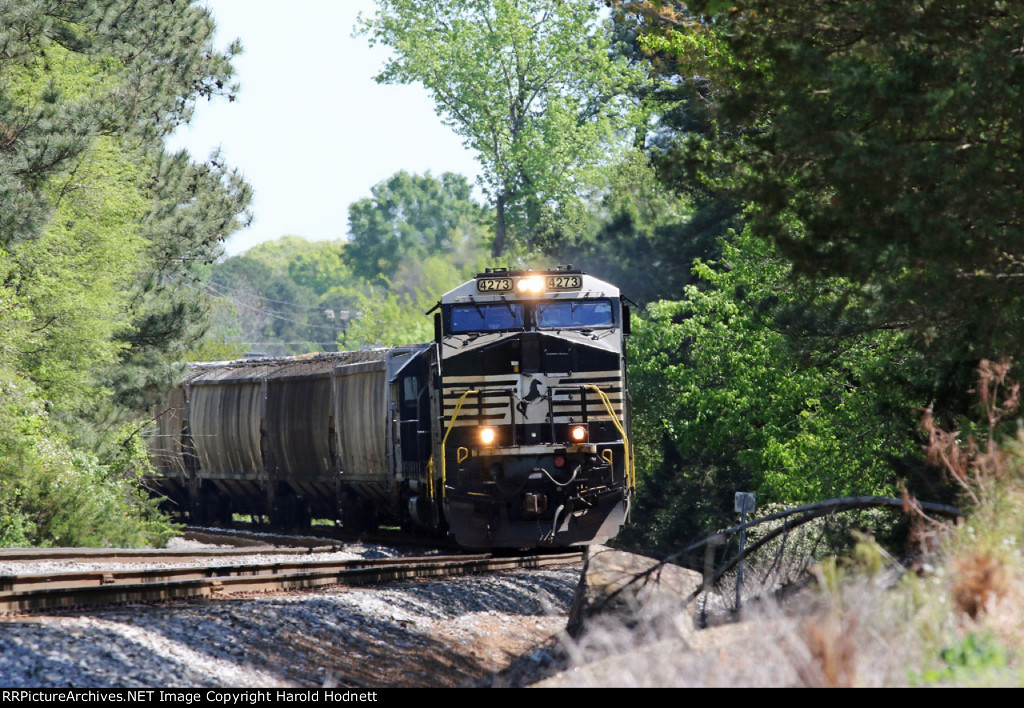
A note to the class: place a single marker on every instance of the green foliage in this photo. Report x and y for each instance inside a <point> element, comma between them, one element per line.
<point>532,87</point>
<point>967,616</point>
<point>413,239</point>
<point>410,217</point>
<point>879,142</point>
<point>721,404</point>
<point>396,314</point>
<point>278,255</point>
<point>215,348</point>
<point>102,234</point>
<point>641,236</point>
<point>126,68</point>
<point>261,309</point>
<point>283,297</point>
<point>321,268</point>
<point>54,494</point>
<point>877,148</point>
<point>660,210</point>
<point>74,275</point>
<point>16,529</point>
<point>291,296</point>
<point>977,660</point>
<point>390,319</point>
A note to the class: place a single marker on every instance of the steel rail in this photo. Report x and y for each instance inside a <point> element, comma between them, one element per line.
<point>150,555</point>
<point>127,576</point>
<point>48,591</point>
<point>242,542</point>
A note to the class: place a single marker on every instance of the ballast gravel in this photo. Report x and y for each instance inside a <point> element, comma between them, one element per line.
<point>480,630</point>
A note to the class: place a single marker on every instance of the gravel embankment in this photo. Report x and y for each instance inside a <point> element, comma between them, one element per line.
<point>456,632</point>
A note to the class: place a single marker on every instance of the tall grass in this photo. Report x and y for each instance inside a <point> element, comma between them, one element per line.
<point>951,616</point>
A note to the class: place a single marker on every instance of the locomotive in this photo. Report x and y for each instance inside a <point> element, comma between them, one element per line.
<point>510,430</point>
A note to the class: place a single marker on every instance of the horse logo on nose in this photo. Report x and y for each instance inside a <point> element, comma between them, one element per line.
<point>533,395</point>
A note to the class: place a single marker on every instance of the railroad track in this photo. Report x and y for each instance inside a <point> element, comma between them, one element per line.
<point>67,589</point>
<point>317,536</point>
<point>151,555</point>
<point>231,543</point>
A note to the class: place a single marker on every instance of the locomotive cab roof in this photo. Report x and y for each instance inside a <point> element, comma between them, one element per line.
<point>497,284</point>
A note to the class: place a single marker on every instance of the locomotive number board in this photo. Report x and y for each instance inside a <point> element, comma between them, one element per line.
<point>529,283</point>
<point>494,285</point>
<point>564,282</point>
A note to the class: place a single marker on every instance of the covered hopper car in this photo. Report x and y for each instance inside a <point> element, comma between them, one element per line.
<point>510,429</point>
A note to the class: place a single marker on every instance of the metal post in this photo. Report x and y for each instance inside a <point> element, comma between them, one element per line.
<point>709,573</point>
<point>744,503</point>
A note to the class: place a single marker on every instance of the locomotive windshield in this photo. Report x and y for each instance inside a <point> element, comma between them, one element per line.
<point>505,316</point>
<point>559,314</point>
<point>491,317</point>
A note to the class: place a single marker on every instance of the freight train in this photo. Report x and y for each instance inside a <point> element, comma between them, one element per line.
<point>510,430</point>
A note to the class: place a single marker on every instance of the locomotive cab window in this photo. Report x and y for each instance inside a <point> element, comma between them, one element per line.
<point>489,317</point>
<point>410,391</point>
<point>561,314</point>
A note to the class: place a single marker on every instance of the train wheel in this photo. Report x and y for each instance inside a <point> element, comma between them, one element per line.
<point>350,517</point>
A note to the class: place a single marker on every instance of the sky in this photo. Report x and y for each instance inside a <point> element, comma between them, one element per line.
<point>311,130</point>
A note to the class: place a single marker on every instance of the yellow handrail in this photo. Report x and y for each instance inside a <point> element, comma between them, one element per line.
<point>630,469</point>
<point>430,478</point>
<point>627,460</point>
<point>451,424</point>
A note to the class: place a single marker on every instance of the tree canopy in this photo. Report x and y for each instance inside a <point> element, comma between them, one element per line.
<point>410,217</point>
<point>411,240</point>
<point>882,142</point>
<point>724,401</point>
<point>283,297</point>
<point>101,237</point>
<point>533,87</point>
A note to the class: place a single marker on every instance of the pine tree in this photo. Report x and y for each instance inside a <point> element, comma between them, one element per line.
<point>101,237</point>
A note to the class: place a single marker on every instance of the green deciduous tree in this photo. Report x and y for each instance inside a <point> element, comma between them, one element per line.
<point>642,235</point>
<point>410,217</point>
<point>321,268</point>
<point>288,296</point>
<point>292,296</point>
<point>656,213</point>
<point>75,277</point>
<point>881,142</point>
<point>533,87</point>
<point>262,308</point>
<point>723,402</point>
<point>89,90</point>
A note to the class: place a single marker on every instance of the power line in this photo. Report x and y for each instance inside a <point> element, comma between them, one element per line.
<point>324,327</point>
<point>234,292</point>
<point>277,316</point>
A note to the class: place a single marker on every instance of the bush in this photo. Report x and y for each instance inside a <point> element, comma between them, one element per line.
<point>54,495</point>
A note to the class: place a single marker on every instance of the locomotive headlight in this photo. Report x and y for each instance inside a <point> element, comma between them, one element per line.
<point>487,435</point>
<point>531,284</point>
<point>578,433</point>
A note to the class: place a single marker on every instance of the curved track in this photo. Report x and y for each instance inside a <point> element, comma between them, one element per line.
<point>47,591</point>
